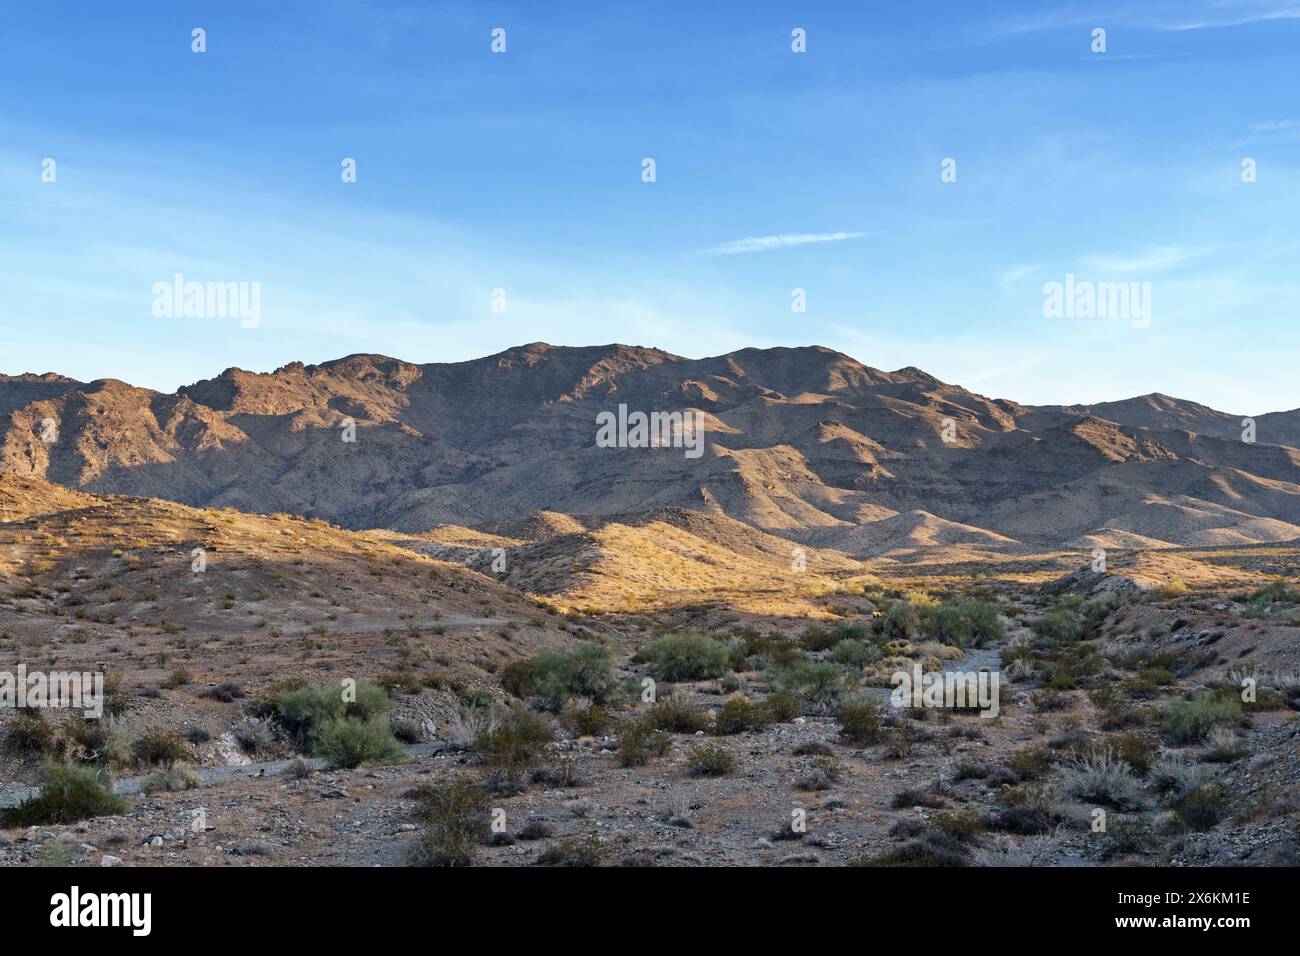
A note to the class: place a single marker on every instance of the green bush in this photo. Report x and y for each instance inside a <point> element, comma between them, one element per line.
<point>816,683</point>
<point>639,740</point>
<point>29,734</point>
<point>1030,761</point>
<point>680,714</point>
<point>901,621</point>
<point>782,706</point>
<point>302,710</point>
<point>584,670</point>
<point>860,720</point>
<point>351,741</point>
<point>818,639</point>
<point>1203,807</point>
<point>67,794</point>
<point>576,850</point>
<point>1189,721</point>
<point>1137,749</point>
<point>854,653</point>
<point>711,760</point>
<point>455,819</point>
<point>966,623</point>
<point>687,656</point>
<point>738,714</point>
<point>1059,624</point>
<point>514,744</point>
<point>160,746</point>
<point>585,721</point>
<point>171,779</point>
<point>517,678</point>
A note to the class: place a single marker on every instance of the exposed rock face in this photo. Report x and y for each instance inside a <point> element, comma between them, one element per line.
<point>803,443</point>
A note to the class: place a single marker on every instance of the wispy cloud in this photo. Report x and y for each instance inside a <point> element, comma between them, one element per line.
<point>1177,16</point>
<point>1014,275</point>
<point>783,241</point>
<point>1154,259</point>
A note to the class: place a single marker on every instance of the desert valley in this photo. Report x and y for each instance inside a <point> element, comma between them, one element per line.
<point>374,612</point>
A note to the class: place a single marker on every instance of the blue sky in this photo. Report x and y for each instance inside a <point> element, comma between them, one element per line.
<point>775,171</point>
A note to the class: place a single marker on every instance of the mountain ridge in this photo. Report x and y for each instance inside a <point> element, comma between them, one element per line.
<point>797,441</point>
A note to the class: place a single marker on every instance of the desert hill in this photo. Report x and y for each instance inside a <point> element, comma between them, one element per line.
<point>806,444</point>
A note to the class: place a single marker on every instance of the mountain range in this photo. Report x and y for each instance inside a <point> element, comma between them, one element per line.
<point>802,445</point>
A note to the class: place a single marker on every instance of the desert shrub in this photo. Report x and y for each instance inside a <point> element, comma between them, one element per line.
<point>1049,699</point>
<point>853,630</point>
<point>965,825</point>
<point>29,734</point>
<point>1172,774</point>
<point>254,737</point>
<point>906,828</point>
<point>687,656</point>
<point>1172,588</point>
<point>160,746</point>
<point>970,770</point>
<point>68,794</point>
<point>179,677</point>
<point>566,773</point>
<point>171,779</point>
<point>930,797</point>
<point>812,748</point>
<point>817,684</point>
<point>852,653</point>
<point>1058,624</point>
<point>737,715</point>
<point>817,639</point>
<point>966,623</point>
<point>85,740</point>
<point>584,670</point>
<point>1030,762</point>
<point>1225,746</point>
<point>454,816</point>
<point>1188,721</point>
<point>299,768</point>
<point>860,720</point>
<point>225,693</point>
<point>710,760</point>
<point>514,744</point>
<point>466,723</point>
<point>585,719</point>
<point>824,773</point>
<point>406,730</point>
<point>1125,835</point>
<point>639,740</point>
<point>782,706</point>
<point>1103,778</point>
<point>353,741</point>
<point>932,848</point>
<point>900,740</point>
<point>900,621</point>
<point>535,830</point>
<point>1203,807</point>
<point>517,678</point>
<point>1136,749</point>
<point>1067,668</point>
<point>577,850</point>
<point>302,709</point>
<point>679,713</point>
